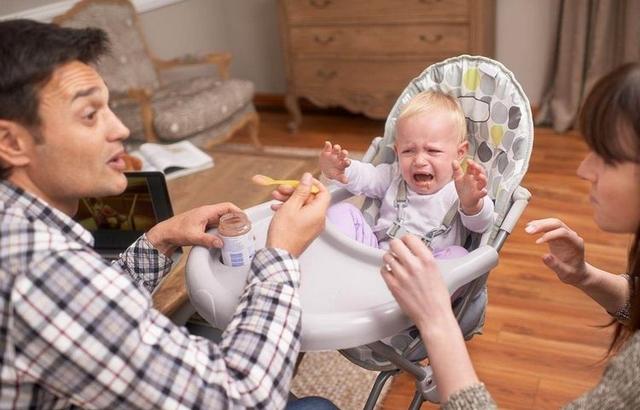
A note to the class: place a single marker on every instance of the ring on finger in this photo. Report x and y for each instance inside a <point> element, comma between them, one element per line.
<point>387,267</point>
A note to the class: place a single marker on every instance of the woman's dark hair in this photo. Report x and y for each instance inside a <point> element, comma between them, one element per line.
<point>610,123</point>
<point>29,54</point>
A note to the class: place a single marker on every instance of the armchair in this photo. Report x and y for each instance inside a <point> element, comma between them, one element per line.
<point>189,104</point>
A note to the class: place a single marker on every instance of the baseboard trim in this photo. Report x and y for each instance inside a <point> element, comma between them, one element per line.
<point>269,101</point>
<point>275,102</point>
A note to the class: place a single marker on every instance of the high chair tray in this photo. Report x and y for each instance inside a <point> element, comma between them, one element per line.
<point>345,302</point>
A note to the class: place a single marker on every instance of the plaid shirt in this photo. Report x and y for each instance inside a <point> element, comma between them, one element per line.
<point>78,332</point>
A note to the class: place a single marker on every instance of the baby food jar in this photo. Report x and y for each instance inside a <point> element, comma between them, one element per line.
<point>239,242</point>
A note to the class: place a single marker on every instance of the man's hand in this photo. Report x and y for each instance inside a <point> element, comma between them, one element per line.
<point>471,186</point>
<point>299,220</point>
<point>333,161</point>
<point>566,250</point>
<point>189,228</point>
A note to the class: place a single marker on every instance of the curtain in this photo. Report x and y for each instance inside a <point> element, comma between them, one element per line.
<point>594,37</point>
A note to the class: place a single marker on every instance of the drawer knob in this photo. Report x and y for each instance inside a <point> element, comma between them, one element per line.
<point>323,40</point>
<point>320,4</point>
<point>430,38</point>
<point>326,74</point>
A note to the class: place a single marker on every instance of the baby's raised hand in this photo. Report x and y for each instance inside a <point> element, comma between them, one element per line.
<point>471,186</point>
<point>333,161</point>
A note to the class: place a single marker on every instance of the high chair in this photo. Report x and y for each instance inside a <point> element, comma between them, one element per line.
<point>345,303</point>
<point>500,135</point>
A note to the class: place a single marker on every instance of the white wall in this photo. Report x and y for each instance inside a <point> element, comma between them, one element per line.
<point>246,28</point>
<point>525,32</point>
<point>525,41</point>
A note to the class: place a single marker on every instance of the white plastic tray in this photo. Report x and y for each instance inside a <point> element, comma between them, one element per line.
<point>345,302</point>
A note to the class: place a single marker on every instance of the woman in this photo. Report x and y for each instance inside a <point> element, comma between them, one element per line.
<point>610,123</point>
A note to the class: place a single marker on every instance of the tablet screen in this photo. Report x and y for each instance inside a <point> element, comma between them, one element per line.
<point>117,221</point>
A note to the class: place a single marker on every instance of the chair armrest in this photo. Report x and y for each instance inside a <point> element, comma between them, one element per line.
<point>460,271</point>
<point>520,199</point>
<point>373,149</point>
<point>221,60</point>
<point>142,97</point>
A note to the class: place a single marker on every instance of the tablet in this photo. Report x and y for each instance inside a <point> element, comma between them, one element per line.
<point>117,221</point>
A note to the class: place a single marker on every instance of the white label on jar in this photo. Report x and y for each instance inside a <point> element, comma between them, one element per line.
<point>238,250</point>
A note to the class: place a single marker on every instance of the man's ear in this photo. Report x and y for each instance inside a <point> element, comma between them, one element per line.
<point>15,142</point>
<point>462,150</point>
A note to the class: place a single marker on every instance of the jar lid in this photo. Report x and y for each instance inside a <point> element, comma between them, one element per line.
<point>234,223</point>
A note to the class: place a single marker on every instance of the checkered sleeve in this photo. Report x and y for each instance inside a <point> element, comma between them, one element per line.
<point>267,363</point>
<point>144,263</point>
<point>85,333</point>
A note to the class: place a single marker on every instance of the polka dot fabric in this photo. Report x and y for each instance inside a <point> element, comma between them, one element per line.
<point>499,123</point>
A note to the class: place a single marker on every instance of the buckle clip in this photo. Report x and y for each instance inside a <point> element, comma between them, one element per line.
<point>396,230</point>
<point>434,233</point>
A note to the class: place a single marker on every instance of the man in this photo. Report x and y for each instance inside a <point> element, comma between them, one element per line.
<point>76,331</point>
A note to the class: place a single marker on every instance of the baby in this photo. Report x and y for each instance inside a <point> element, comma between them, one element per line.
<point>426,192</point>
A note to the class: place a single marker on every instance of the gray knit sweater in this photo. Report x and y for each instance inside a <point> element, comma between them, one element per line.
<point>619,387</point>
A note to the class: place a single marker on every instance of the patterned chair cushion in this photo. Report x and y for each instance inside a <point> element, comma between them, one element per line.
<point>499,123</point>
<point>186,107</point>
<point>182,110</point>
<point>128,65</point>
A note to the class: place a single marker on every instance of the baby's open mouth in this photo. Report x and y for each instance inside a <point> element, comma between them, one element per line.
<point>422,178</point>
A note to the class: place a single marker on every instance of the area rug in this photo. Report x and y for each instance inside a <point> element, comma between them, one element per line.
<point>330,375</point>
<point>325,374</point>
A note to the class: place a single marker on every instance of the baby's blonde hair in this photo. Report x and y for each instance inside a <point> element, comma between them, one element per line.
<point>430,101</point>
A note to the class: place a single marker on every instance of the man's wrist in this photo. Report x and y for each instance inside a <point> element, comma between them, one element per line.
<point>156,239</point>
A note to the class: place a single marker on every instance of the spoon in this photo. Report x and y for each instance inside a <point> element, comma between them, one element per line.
<point>293,183</point>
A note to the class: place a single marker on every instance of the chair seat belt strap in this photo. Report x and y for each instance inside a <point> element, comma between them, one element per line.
<point>397,229</point>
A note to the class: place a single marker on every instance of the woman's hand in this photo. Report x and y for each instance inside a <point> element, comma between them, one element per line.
<point>189,228</point>
<point>566,250</point>
<point>414,279</point>
<point>333,161</point>
<point>299,220</point>
<point>411,273</point>
<point>471,186</point>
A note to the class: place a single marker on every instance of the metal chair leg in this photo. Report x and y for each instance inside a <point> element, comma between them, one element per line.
<point>388,353</point>
<point>377,388</point>
<point>417,401</point>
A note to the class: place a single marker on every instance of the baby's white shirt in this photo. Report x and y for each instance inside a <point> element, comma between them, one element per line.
<point>423,212</point>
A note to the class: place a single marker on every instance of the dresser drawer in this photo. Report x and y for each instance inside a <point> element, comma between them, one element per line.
<point>374,103</point>
<point>363,75</point>
<point>371,11</point>
<point>405,39</point>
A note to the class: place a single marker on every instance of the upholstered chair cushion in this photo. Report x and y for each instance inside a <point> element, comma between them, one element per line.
<point>165,100</point>
<point>128,65</point>
<point>187,107</point>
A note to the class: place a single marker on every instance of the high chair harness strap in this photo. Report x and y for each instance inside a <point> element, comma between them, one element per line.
<point>397,229</point>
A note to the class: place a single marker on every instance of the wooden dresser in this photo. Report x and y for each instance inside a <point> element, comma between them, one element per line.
<point>361,54</point>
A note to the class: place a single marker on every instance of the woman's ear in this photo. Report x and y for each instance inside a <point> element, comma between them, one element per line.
<point>15,143</point>
<point>462,150</point>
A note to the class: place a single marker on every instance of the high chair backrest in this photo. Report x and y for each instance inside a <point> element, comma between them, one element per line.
<point>499,123</point>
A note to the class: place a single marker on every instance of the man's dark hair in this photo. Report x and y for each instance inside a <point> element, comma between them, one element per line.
<point>29,54</point>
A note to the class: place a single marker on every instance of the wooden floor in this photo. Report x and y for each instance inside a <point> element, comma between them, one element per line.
<point>544,342</point>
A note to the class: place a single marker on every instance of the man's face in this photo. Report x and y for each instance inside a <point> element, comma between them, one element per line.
<point>81,151</point>
<point>426,146</point>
